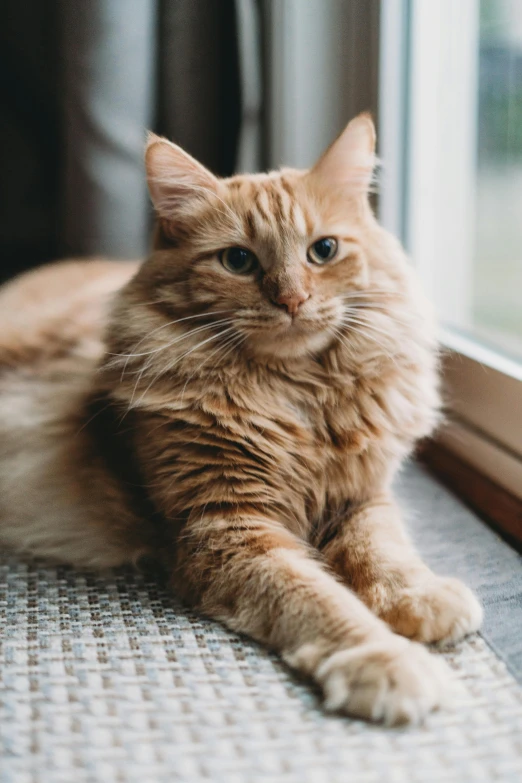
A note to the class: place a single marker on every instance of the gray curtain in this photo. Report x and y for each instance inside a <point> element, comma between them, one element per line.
<point>199,90</point>
<point>109,49</point>
<point>30,133</point>
<point>80,82</point>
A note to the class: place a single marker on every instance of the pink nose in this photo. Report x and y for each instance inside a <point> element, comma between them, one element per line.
<point>292,302</point>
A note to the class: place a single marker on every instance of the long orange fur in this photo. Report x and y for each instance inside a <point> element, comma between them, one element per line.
<point>242,429</point>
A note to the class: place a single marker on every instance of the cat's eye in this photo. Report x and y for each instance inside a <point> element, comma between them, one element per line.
<point>238,260</point>
<point>322,251</point>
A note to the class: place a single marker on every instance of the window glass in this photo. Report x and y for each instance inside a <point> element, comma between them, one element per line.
<point>497,269</point>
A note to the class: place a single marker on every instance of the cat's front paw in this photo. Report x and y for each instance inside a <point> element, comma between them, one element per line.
<point>441,610</point>
<point>393,681</point>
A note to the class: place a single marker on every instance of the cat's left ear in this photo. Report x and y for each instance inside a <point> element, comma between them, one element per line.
<point>350,160</point>
<point>175,178</point>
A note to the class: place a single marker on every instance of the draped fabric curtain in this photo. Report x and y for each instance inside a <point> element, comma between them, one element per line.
<point>30,133</point>
<point>80,82</point>
<point>109,66</point>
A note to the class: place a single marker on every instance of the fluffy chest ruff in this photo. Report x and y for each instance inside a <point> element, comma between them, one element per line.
<point>299,444</point>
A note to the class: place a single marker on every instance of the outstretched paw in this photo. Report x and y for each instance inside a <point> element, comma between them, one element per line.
<point>441,610</point>
<point>393,681</point>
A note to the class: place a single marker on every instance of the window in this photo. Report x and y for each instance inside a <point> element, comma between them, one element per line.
<point>446,79</point>
<point>496,306</point>
<point>451,120</point>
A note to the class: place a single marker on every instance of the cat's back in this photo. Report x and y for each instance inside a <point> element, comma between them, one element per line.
<point>57,313</point>
<point>54,484</point>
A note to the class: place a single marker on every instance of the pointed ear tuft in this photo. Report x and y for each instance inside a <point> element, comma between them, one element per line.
<point>350,160</point>
<point>174,177</point>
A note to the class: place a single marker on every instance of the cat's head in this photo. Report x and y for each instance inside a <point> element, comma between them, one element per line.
<point>279,259</point>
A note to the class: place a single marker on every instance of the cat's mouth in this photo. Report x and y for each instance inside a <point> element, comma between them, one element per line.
<point>275,332</point>
<point>286,324</point>
<point>300,323</point>
<point>284,335</point>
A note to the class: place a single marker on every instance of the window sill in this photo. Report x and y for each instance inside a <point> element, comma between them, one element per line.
<point>493,503</point>
<point>482,392</point>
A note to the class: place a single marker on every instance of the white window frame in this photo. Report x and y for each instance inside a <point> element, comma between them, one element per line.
<point>434,186</point>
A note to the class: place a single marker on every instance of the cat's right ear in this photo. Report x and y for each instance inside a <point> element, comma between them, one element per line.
<point>349,162</point>
<point>174,177</point>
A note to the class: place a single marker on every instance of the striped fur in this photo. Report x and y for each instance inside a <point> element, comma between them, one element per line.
<point>249,450</point>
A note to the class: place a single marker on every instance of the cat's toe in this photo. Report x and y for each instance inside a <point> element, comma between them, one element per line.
<point>393,682</point>
<point>443,610</point>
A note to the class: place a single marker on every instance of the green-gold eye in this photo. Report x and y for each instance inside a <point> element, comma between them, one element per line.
<point>322,251</point>
<point>238,260</point>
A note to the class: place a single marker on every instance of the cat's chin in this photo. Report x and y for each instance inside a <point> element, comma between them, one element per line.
<point>291,343</point>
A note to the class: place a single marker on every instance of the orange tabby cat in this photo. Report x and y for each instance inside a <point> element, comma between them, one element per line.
<point>239,411</point>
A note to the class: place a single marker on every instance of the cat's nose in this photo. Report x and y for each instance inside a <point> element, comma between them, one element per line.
<point>292,302</point>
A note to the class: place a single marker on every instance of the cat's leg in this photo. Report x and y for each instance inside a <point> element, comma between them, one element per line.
<point>257,578</point>
<point>374,556</point>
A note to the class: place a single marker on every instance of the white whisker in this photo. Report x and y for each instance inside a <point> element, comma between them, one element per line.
<point>230,341</point>
<point>368,331</point>
<point>365,312</point>
<point>352,320</point>
<point>368,295</point>
<point>171,365</point>
<point>177,339</point>
<point>169,344</point>
<point>146,366</point>
<point>372,337</point>
<point>164,326</point>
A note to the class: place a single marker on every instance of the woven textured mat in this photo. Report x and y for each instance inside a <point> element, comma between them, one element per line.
<point>106,679</point>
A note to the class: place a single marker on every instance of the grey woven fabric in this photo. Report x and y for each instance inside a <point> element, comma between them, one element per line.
<point>106,679</point>
<point>454,542</point>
